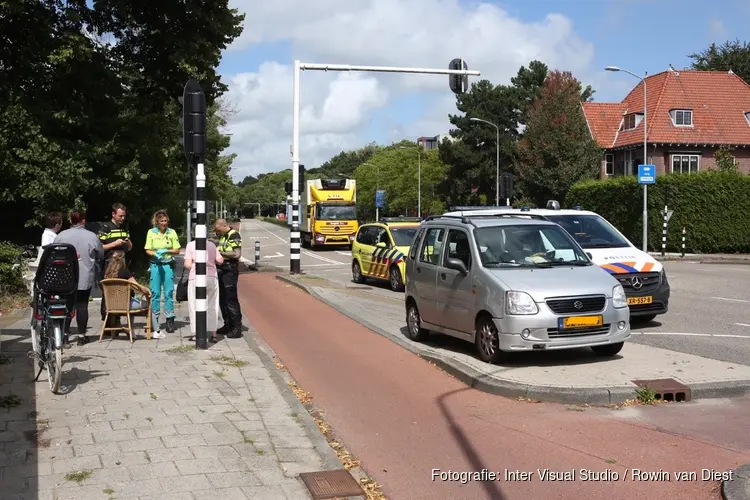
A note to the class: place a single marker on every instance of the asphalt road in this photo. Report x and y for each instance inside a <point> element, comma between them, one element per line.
<point>403,418</point>
<point>709,310</point>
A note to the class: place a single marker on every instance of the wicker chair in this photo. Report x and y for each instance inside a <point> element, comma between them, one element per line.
<point>116,296</point>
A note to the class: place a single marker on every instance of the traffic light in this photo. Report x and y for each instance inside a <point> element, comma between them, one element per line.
<point>288,188</point>
<point>506,186</point>
<point>301,179</point>
<point>193,120</point>
<point>458,83</point>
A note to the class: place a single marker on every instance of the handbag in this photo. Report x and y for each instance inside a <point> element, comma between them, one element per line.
<point>181,294</point>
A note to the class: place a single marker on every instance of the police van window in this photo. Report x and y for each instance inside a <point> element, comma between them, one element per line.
<point>382,237</point>
<point>590,231</point>
<point>415,244</point>
<point>433,244</point>
<point>362,235</point>
<point>458,247</point>
<point>369,234</point>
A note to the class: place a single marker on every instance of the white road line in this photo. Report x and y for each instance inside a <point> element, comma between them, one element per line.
<point>317,265</point>
<point>742,324</point>
<point>730,300</point>
<point>722,335</point>
<point>321,258</point>
<point>341,252</point>
<point>272,233</point>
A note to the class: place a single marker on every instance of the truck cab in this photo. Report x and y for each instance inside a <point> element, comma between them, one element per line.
<point>328,212</point>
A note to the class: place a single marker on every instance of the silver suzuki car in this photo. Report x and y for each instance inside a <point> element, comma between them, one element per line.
<point>511,283</point>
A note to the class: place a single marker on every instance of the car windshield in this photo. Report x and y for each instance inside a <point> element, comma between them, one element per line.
<point>528,246</point>
<point>403,236</point>
<point>337,212</point>
<point>590,231</point>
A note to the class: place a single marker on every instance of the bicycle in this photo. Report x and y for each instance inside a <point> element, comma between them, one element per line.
<point>54,293</point>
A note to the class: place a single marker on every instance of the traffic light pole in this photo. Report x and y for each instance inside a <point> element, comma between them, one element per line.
<point>294,236</point>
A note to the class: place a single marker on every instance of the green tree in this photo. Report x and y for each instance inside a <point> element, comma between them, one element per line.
<point>471,178</point>
<point>395,169</point>
<point>557,149</point>
<point>731,55</point>
<point>725,159</point>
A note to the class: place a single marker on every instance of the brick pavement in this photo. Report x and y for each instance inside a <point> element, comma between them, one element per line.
<point>155,419</point>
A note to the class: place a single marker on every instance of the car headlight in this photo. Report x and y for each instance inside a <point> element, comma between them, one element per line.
<point>663,277</point>
<point>520,303</point>
<point>619,299</point>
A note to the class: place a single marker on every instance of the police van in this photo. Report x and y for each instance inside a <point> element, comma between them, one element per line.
<point>643,277</point>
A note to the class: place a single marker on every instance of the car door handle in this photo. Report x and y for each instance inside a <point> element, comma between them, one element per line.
<point>419,270</point>
<point>442,275</point>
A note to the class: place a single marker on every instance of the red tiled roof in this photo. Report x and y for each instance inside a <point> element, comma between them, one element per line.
<point>718,100</point>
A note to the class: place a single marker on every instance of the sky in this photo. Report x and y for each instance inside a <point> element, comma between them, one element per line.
<point>341,111</point>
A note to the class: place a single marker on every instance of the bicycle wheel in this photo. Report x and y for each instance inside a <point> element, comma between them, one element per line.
<point>54,363</point>
<point>35,334</point>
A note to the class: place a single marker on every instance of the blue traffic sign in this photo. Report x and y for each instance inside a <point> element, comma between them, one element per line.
<point>380,198</point>
<point>646,174</point>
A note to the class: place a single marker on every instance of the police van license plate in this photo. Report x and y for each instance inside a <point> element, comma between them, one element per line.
<point>639,300</point>
<point>580,322</point>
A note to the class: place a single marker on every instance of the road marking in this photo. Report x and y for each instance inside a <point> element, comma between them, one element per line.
<point>272,233</point>
<point>318,265</point>
<point>742,324</point>
<point>723,335</point>
<point>321,258</point>
<point>340,252</point>
<point>731,300</point>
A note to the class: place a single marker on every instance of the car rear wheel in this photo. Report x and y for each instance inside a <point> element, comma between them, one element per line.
<point>397,284</point>
<point>414,324</point>
<point>607,350</point>
<point>487,341</point>
<point>357,273</point>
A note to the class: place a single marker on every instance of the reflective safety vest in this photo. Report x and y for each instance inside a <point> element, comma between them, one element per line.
<point>230,242</point>
<point>110,232</point>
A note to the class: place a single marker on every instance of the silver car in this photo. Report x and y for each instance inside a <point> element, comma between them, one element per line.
<point>511,283</point>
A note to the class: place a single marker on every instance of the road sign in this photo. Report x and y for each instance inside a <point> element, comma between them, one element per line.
<point>646,174</point>
<point>669,214</point>
<point>380,198</point>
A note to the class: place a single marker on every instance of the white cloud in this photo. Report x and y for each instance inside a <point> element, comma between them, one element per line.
<point>717,30</point>
<point>336,108</point>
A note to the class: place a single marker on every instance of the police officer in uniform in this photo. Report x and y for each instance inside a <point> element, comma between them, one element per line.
<point>113,237</point>
<point>230,247</point>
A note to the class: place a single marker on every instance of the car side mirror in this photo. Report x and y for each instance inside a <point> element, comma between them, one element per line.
<point>588,254</point>
<point>381,245</point>
<point>456,265</point>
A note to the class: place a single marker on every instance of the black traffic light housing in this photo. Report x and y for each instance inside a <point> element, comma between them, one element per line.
<point>458,83</point>
<point>193,120</point>
<point>300,187</point>
<point>506,185</point>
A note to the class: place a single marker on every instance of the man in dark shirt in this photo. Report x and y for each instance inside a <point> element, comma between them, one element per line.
<point>230,247</point>
<point>114,237</point>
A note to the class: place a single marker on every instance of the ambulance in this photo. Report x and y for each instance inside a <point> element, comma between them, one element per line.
<point>643,277</point>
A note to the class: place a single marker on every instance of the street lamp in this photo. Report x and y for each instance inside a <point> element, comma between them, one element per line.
<point>377,187</point>
<point>645,151</point>
<point>497,159</point>
<point>419,181</point>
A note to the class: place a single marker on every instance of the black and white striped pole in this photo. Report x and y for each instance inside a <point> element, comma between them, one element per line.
<point>194,143</point>
<point>683,241</point>
<point>257,252</point>
<point>664,234</point>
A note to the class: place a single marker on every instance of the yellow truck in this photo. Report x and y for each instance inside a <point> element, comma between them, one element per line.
<point>328,213</point>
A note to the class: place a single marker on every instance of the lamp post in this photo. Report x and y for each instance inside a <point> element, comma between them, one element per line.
<point>377,187</point>
<point>419,179</point>
<point>497,158</point>
<point>645,151</point>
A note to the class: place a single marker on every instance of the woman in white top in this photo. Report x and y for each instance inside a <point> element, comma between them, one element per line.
<point>213,257</point>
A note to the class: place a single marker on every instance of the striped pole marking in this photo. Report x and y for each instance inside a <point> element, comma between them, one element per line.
<point>201,336</point>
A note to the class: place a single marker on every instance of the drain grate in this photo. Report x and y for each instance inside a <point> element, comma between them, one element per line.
<point>331,484</point>
<point>667,389</point>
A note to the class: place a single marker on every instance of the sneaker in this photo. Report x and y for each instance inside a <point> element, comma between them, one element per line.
<point>158,335</point>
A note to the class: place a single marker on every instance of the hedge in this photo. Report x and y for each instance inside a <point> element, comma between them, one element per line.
<point>713,207</point>
<point>12,281</point>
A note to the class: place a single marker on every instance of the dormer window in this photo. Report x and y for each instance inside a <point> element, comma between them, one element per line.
<point>682,117</point>
<point>631,121</point>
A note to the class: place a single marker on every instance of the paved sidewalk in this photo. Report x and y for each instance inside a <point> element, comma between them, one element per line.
<point>155,419</point>
<point>573,376</point>
<point>705,258</point>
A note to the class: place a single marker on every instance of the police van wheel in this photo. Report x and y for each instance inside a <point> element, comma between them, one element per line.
<point>357,273</point>
<point>395,279</point>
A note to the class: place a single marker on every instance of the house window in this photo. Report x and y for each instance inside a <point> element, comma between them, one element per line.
<point>685,164</point>
<point>682,117</point>
<point>609,164</point>
<point>631,121</point>
<point>747,117</point>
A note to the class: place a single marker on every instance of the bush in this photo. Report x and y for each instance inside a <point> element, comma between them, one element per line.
<point>274,220</point>
<point>11,280</point>
<point>712,206</point>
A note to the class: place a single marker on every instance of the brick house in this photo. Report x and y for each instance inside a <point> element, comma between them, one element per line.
<point>690,115</point>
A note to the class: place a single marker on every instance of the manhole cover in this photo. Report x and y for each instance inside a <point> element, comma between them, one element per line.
<point>331,484</point>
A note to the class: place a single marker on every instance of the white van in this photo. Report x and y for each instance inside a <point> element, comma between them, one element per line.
<point>643,277</point>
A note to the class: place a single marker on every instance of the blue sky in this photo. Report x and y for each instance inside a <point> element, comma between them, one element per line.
<point>638,35</point>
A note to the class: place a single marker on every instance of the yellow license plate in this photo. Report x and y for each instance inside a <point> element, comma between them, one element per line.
<point>639,300</point>
<point>582,321</point>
